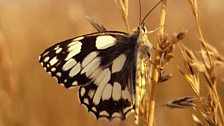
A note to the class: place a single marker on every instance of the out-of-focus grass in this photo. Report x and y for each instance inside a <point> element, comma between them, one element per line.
<point>29,96</point>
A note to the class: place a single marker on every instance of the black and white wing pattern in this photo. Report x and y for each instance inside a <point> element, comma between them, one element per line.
<point>103,64</point>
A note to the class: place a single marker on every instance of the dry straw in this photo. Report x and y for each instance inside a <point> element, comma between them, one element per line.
<point>10,108</point>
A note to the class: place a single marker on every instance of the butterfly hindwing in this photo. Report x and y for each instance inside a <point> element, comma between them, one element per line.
<point>103,64</point>
<point>111,97</point>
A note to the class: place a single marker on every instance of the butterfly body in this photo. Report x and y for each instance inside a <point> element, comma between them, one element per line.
<point>103,64</point>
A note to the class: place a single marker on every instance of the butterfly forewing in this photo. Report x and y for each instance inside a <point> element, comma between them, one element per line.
<point>103,64</point>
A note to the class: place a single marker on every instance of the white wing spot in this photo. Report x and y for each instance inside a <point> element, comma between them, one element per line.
<point>86,100</point>
<point>69,64</point>
<point>58,50</point>
<point>65,80</point>
<point>94,109</point>
<point>83,90</point>
<point>107,92</point>
<point>89,72</point>
<point>74,50</point>
<point>49,72</point>
<point>91,66</point>
<point>100,88</point>
<point>125,94</point>
<point>104,113</point>
<point>89,58</point>
<point>103,42</point>
<point>118,63</point>
<point>75,70</point>
<point>72,43</point>
<point>58,74</point>
<point>62,85</point>
<point>53,69</point>
<point>95,73</point>
<point>46,59</point>
<point>91,93</point>
<point>75,83</point>
<point>53,61</point>
<point>116,95</point>
<point>116,114</point>
<point>98,78</point>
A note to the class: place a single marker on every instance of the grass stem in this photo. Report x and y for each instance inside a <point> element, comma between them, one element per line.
<point>156,69</point>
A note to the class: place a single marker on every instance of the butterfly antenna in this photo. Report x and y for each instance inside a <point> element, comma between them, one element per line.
<point>140,11</point>
<point>150,12</point>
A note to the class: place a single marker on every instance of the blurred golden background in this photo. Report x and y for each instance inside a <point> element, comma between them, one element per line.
<point>30,97</point>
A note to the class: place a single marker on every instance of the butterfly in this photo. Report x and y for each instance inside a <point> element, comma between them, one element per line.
<point>104,67</point>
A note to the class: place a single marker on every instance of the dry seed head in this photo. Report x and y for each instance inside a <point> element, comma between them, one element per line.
<point>192,79</point>
<point>168,54</point>
<point>168,46</point>
<point>205,58</point>
<point>212,50</point>
<point>192,60</point>
<point>180,36</point>
<point>164,42</point>
<point>165,77</point>
<point>209,120</point>
<point>182,102</point>
<point>194,82</point>
<point>210,68</point>
<point>189,54</point>
<point>198,66</point>
<point>167,58</point>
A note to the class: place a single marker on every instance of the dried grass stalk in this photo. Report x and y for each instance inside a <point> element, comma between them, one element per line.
<point>123,6</point>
